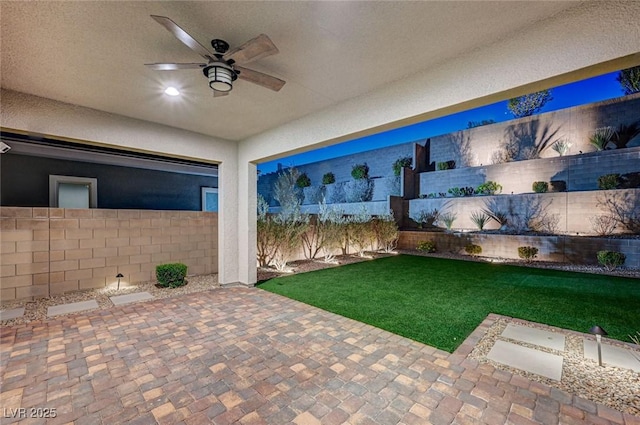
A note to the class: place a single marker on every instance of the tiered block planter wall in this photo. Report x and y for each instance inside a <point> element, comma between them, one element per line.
<point>571,249</point>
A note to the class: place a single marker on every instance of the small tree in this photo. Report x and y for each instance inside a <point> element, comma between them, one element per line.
<point>629,79</point>
<point>529,104</point>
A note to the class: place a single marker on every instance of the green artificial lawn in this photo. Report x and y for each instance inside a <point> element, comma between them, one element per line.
<point>440,302</point>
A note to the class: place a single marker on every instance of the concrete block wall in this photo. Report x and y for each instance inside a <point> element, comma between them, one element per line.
<point>379,162</point>
<point>572,209</point>
<point>572,124</point>
<point>48,251</point>
<point>580,172</point>
<point>571,249</point>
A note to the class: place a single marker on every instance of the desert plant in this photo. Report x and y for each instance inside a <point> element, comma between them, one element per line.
<point>609,181</point>
<point>426,218</point>
<point>497,211</point>
<point>603,225</point>
<point>303,180</point>
<point>480,219</point>
<point>399,163</point>
<point>529,104</point>
<point>540,187</point>
<point>336,193</point>
<point>331,228</point>
<point>360,171</point>
<point>527,253</point>
<point>285,191</point>
<point>473,249</point>
<point>461,191</point>
<point>328,178</point>
<point>446,165</point>
<point>635,338</point>
<point>361,231</point>
<point>313,194</point>
<point>561,146</point>
<point>386,231</point>
<point>447,219</point>
<point>489,188</point>
<point>629,79</point>
<point>290,225</point>
<point>601,137</point>
<point>624,134</point>
<point>359,190</point>
<point>171,275</point>
<point>267,244</point>
<point>611,259</point>
<point>426,246</point>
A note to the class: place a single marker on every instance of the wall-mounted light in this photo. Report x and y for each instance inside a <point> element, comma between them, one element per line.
<point>4,148</point>
<point>119,276</point>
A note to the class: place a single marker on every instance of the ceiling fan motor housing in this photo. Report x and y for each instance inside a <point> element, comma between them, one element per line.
<point>219,46</point>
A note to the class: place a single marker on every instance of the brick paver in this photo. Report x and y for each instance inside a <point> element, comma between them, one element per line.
<point>251,357</point>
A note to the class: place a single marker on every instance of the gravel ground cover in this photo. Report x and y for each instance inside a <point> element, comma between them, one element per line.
<point>612,386</point>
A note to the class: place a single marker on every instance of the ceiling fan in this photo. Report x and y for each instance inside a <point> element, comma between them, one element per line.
<point>222,67</point>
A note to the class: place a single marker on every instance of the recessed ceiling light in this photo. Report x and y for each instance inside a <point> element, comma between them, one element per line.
<point>172,91</point>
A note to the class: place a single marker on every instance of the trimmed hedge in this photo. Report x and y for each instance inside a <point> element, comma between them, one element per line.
<point>171,275</point>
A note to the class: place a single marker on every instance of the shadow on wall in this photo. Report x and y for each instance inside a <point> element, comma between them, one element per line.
<point>525,140</point>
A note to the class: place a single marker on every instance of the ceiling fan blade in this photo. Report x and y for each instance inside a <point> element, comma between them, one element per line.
<point>174,66</point>
<point>217,93</point>
<point>260,79</point>
<point>254,49</point>
<point>183,36</point>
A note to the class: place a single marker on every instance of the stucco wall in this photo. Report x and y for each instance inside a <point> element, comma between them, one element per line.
<point>47,251</point>
<point>38,115</point>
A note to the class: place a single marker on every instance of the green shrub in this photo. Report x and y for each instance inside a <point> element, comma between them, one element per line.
<point>427,246</point>
<point>171,275</point>
<point>328,178</point>
<point>473,249</point>
<point>609,181</point>
<point>527,253</point>
<point>480,219</point>
<point>446,165</point>
<point>540,187</point>
<point>303,181</point>
<point>611,259</point>
<point>489,188</point>
<point>360,171</point>
<point>400,163</point>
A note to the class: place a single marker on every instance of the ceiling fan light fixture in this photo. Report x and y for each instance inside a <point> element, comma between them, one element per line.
<point>220,76</point>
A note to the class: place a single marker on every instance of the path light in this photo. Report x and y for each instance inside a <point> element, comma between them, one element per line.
<point>119,276</point>
<point>598,332</point>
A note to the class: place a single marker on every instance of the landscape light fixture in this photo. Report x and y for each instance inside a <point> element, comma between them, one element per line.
<point>119,276</point>
<point>598,332</point>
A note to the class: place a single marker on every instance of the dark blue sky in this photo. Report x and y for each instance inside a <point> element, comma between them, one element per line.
<point>578,93</point>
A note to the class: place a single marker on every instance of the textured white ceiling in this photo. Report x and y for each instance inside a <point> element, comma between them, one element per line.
<point>92,53</point>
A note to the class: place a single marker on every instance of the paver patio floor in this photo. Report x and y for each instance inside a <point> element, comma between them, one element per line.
<point>251,357</point>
